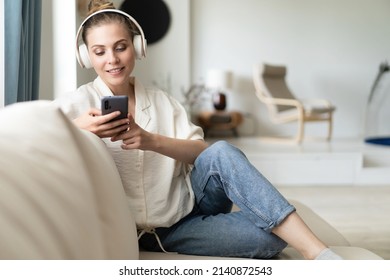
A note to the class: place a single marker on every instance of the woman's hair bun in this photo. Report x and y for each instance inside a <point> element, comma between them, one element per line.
<point>97,5</point>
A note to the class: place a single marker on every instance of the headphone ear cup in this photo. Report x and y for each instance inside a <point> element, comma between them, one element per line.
<point>84,60</point>
<point>139,46</point>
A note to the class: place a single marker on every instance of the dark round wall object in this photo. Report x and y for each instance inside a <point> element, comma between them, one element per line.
<point>152,15</point>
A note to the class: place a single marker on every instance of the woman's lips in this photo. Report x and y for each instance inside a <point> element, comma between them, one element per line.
<point>115,70</point>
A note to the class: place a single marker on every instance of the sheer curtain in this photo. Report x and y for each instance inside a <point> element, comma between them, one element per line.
<point>2,55</point>
<point>22,49</point>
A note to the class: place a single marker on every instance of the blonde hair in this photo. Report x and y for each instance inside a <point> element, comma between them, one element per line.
<point>97,5</point>
<point>105,18</point>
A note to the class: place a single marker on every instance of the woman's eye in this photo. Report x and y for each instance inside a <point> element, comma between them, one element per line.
<point>99,53</point>
<point>120,48</point>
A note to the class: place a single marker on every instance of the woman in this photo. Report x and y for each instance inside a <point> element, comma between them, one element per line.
<point>180,190</point>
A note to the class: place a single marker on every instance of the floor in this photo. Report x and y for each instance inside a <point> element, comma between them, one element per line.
<point>357,205</point>
<point>361,214</point>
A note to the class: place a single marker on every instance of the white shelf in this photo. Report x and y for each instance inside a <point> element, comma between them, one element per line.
<point>339,162</point>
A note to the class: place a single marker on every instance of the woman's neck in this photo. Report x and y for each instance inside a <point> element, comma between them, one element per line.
<point>126,89</point>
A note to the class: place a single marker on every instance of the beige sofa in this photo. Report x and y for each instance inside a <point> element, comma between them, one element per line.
<point>62,197</point>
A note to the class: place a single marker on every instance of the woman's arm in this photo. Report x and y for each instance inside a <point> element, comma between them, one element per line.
<point>180,149</point>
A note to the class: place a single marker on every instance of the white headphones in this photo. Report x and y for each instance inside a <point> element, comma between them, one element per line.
<point>139,41</point>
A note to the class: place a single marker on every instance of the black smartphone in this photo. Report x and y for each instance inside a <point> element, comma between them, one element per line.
<point>115,103</point>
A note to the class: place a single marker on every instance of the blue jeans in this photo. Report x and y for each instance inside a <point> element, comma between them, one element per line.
<point>222,175</point>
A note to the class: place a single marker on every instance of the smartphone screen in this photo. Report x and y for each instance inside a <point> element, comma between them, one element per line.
<point>115,103</point>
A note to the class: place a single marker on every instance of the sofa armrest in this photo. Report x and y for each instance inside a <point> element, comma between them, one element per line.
<point>61,196</point>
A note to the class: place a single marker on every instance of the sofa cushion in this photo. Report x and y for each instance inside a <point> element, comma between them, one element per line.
<point>61,196</point>
<point>346,252</point>
<point>321,228</point>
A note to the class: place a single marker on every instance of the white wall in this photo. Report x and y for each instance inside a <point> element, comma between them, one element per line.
<point>65,78</point>
<point>168,60</point>
<point>58,61</point>
<point>332,49</point>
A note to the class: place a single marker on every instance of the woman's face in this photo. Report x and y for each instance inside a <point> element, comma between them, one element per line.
<point>112,55</point>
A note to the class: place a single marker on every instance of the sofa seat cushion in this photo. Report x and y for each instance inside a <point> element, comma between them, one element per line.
<point>318,225</point>
<point>321,228</point>
<point>346,252</point>
<point>61,196</point>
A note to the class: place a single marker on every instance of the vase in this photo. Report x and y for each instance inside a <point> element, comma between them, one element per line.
<point>219,101</point>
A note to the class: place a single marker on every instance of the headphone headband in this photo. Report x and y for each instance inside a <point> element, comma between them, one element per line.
<point>139,41</point>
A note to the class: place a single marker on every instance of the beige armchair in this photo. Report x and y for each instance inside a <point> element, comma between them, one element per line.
<point>283,107</point>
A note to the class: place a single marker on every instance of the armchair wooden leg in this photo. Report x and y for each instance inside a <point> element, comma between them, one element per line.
<point>301,129</point>
<point>330,128</point>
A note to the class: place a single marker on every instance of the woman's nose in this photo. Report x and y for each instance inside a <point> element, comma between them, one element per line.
<point>112,58</point>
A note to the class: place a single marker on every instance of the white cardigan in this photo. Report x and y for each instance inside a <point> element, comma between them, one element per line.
<point>158,187</point>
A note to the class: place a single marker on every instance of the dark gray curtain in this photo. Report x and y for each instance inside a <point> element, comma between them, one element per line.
<point>22,49</point>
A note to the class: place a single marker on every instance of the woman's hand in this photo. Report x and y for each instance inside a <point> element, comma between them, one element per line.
<point>135,137</point>
<point>99,124</point>
<point>180,149</point>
